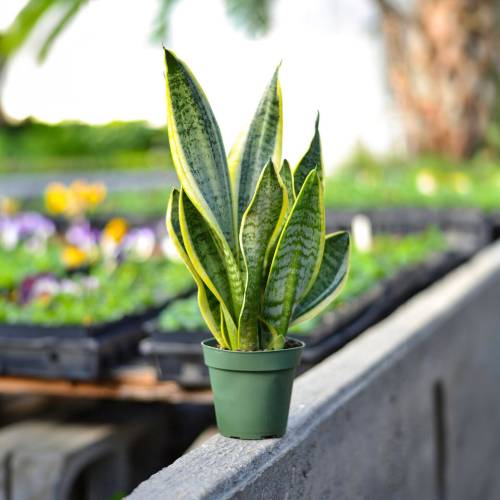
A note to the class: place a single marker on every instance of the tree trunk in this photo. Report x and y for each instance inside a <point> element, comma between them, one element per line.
<point>441,67</point>
<point>4,120</point>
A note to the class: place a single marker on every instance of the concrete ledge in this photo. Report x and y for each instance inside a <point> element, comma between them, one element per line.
<point>409,410</point>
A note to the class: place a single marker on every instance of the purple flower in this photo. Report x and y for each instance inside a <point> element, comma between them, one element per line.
<point>34,224</point>
<point>140,242</point>
<point>25,226</point>
<point>39,284</point>
<point>82,236</point>
<point>9,233</point>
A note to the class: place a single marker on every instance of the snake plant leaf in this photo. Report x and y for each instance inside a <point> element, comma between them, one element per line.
<point>197,149</point>
<point>262,142</point>
<point>212,260</point>
<point>297,258</point>
<point>260,227</point>
<point>287,178</point>
<point>311,160</point>
<point>208,303</point>
<point>331,278</point>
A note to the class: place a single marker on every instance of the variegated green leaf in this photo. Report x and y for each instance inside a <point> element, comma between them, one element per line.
<point>259,227</point>
<point>331,277</point>
<point>208,303</point>
<point>298,256</point>
<point>212,260</point>
<point>311,160</point>
<point>262,142</point>
<point>287,178</point>
<point>197,149</point>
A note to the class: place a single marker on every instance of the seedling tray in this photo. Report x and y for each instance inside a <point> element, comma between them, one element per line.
<point>352,318</point>
<point>74,352</point>
<point>404,220</point>
<point>494,223</point>
<point>178,355</point>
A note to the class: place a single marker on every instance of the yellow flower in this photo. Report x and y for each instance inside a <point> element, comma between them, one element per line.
<point>56,198</point>
<point>426,182</point>
<point>88,195</point>
<point>73,256</point>
<point>75,198</point>
<point>8,206</point>
<point>61,200</point>
<point>460,182</point>
<point>115,230</point>
<point>87,319</point>
<point>95,194</point>
<point>78,188</point>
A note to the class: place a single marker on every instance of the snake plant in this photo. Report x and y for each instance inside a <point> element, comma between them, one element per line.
<point>249,228</point>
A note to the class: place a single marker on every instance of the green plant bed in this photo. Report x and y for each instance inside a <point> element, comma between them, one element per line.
<point>390,254</point>
<point>107,293</point>
<point>16,264</point>
<point>366,181</point>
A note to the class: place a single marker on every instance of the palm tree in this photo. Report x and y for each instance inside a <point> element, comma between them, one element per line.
<point>14,37</point>
<point>442,71</point>
<point>441,63</point>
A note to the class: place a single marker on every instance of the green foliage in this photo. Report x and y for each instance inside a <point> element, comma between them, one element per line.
<point>35,145</point>
<point>389,255</point>
<point>128,288</point>
<point>366,180</point>
<point>22,26</point>
<point>253,15</point>
<point>252,244</point>
<point>24,261</point>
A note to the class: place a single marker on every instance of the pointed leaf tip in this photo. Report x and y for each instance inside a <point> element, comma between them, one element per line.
<point>197,148</point>
<point>298,255</point>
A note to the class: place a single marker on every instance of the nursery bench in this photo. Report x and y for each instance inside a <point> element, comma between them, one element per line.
<point>129,382</point>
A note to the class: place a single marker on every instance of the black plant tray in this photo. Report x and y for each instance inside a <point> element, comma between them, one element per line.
<point>178,355</point>
<point>342,325</point>
<point>404,220</point>
<point>74,352</point>
<point>493,220</point>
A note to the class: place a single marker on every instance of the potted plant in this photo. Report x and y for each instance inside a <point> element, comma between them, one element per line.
<point>252,233</point>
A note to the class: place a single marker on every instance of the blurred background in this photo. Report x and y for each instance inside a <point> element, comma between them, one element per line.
<point>406,83</point>
<point>410,125</point>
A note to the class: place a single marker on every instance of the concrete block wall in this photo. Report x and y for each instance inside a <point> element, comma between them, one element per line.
<point>409,410</point>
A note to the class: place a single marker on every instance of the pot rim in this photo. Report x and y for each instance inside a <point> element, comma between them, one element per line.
<point>251,361</point>
<point>205,344</point>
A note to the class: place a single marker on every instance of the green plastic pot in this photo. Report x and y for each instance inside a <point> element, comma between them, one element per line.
<point>252,390</point>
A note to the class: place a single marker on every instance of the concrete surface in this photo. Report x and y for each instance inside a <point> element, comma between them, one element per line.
<point>409,410</point>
